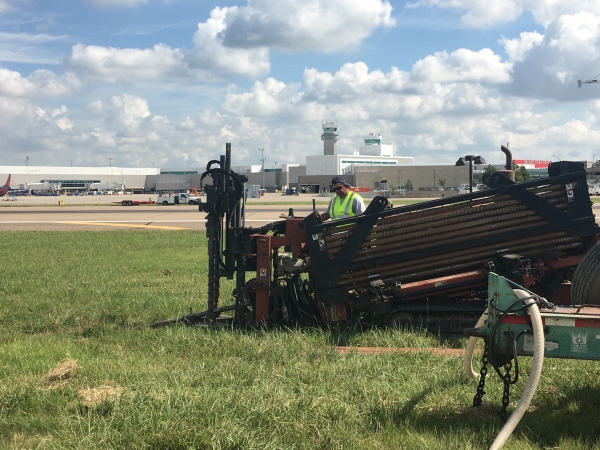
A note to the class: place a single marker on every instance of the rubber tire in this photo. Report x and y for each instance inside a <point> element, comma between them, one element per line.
<point>124,203</point>
<point>585,287</point>
<point>400,321</point>
<point>165,202</point>
<point>129,203</point>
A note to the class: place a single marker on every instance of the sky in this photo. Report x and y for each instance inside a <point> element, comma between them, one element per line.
<point>167,83</point>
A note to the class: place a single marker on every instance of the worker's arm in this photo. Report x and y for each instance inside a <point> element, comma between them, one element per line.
<point>325,216</point>
<point>358,205</point>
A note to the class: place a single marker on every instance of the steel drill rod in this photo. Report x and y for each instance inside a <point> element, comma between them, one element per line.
<point>442,216</point>
<point>436,269</point>
<point>543,192</point>
<point>410,232</point>
<point>543,243</point>
<point>423,239</point>
<point>456,255</point>
<point>392,222</point>
<point>489,226</point>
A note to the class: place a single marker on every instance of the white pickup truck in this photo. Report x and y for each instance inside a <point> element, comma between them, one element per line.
<point>594,189</point>
<point>178,199</point>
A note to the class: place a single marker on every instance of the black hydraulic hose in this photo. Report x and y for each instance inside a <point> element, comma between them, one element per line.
<point>516,356</point>
<point>210,163</point>
<point>297,291</point>
<point>522,307</point>
<point>233,175</point>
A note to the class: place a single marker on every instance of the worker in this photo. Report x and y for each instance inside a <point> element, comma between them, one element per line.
<point>345,203</point>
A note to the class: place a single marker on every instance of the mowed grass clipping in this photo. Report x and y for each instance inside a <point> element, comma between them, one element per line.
<point>80,369</point>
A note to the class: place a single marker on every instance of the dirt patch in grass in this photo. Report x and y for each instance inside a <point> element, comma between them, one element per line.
<point>386,350</point>
<point>60,374</point>
<point>92,397</point>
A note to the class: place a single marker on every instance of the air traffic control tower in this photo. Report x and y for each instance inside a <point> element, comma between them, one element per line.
<point>329,137</point>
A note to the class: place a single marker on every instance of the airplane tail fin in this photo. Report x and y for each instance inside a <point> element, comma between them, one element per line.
<point>8,181</point>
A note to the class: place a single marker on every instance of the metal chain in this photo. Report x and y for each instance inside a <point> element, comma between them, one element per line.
<point>482,374</point>
<point>506,391</point>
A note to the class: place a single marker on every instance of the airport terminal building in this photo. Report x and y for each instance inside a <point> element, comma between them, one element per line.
<point>373,166</point>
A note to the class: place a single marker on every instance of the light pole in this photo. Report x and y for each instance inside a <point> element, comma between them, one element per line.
<point>27,160</point>
<point>262,159</point>
<point>71,161</point>
<point>434,179</point>
<point>110,162</point>
<point>471,159</point>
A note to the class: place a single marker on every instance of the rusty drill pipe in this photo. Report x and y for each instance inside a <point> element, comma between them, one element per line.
<point>543,244</point>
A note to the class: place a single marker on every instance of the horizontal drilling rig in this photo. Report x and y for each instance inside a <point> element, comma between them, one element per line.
<point>424,265</point>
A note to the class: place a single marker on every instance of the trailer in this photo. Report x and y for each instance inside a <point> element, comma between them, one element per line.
<point>424,265</point>
<point>518,322</point>
<point>136,202</point>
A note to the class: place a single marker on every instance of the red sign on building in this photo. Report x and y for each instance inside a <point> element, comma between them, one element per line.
<point>532,163</point>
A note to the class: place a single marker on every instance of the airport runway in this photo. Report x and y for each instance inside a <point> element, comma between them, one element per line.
<point>98,213</point>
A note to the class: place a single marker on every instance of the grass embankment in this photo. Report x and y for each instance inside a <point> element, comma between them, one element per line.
<point>81,370</point>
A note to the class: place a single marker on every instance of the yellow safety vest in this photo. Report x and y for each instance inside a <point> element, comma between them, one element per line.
<point>342,208</point>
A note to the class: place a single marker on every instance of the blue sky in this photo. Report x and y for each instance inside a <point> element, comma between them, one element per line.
<point>171,81</point>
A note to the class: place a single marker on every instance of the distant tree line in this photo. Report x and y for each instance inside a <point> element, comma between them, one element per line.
<point>521,173</point>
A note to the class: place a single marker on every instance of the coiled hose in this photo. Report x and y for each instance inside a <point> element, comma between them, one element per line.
<point>468,360</point>
<point>534,376</point>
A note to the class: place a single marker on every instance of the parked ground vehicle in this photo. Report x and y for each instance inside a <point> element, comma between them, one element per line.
<point>178,199</point>
<point>423,265</point>
<point>135,202</point>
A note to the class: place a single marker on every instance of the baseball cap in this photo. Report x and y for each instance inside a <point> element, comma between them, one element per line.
<point>337,180</point>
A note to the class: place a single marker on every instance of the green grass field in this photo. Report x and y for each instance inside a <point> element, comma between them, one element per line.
<point>80,369</point>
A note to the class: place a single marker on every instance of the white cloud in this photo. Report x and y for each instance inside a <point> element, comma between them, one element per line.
<point>516,48</point>
<point>441,117</point>
<point>449,103</point>
<point>550,67</point>
<point>266,101</point>
<point>485,13</point>
<point>433,124</point>
<point>463,65</point>
<point>211,56</point>
<point>124,112</point>
<point>235,41</point>
<point>56,116</point>
<point>209,61</point>
<point>127,65</point>
<point>5,6</point>
<point>28,38</point>
<point>315,25</point>
<point>40,83</point>
<point>351,81</point>
<point>28,47</point>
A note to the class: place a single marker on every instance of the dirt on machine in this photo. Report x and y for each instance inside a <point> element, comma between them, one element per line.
<point>424,265</point>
